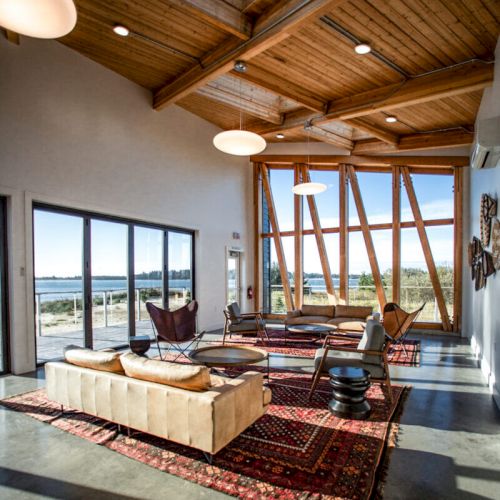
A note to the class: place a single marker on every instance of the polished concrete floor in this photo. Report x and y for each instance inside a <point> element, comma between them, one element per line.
<point>449,443</point>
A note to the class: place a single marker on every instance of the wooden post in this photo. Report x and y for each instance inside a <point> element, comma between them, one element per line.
<point>298,241</point>
<point>431,266</point>
<point>396,234</point>
<point>458,239</point>
<point>277,239</point>
<point>320,241</point>
<point>363,220</point>
<point>343,235</point>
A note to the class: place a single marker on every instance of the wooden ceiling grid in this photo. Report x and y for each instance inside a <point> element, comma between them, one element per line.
<point>301,64</point>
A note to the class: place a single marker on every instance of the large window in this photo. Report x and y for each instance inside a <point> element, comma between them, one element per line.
<point>394,233</point>
<point>94,275</point>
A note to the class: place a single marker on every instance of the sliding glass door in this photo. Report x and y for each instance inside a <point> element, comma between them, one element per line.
<point>3,291</point>
<point>94,275</point>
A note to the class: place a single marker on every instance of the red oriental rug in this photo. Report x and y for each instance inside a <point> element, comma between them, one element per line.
<point>293,344</point>
<point>298,449</point>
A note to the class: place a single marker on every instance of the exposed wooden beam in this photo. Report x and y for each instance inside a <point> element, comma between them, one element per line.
<point>320,241</point>
<point>383,226</point>
<point>424,240</point>
<point>11,36</point>
<point>455,80</point>
<point>416,142</point>
<point>273,219</point>
<point>364,125</point>
<point>270,29</point>
<point>330,137</point>
<point>365,229</point>
<point>396,234</point>
<point>222,91</point>
<point>343,236</point>
<point>458,246</point>
<point>285,88</point>
<point>219,14</point>
<point>329,160</point>
<point>298,241</point>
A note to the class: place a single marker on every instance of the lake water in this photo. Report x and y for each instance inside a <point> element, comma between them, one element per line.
<point>62,289</point>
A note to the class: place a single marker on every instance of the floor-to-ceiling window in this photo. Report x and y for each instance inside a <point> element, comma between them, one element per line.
<point>376,235</point>
<point>3,291</point>
<point>94,275</point>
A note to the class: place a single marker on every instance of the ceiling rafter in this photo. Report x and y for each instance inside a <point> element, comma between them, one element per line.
<point>220,15</point>
<point>270,28</point>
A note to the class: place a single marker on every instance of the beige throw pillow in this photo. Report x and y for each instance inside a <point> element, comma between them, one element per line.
<point>190,377</point>
<point>316,310</point>
<point>97,360</point>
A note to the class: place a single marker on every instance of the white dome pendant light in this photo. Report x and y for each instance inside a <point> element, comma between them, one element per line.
<point>38,18</point>
<point>239,142</point>
<point>308,188</point>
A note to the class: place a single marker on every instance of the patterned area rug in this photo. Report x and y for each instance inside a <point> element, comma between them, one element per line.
<point>297,450</point>
<point>303,346</point>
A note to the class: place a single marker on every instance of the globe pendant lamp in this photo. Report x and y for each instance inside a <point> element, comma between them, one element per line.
<point>239,142</point>
<point>308,188</point>
<point>38,18</point>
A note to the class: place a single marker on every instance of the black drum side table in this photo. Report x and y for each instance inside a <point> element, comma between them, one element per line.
<point>349,386</point>
<point>140,344</point>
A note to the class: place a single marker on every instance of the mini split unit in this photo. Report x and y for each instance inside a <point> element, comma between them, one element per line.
<point>486,147</point>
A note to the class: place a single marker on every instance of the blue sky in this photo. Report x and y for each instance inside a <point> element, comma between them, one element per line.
<point>58,247</point>
<point>435,197</point>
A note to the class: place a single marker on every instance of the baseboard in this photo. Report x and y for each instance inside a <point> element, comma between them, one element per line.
<point>486,370</point>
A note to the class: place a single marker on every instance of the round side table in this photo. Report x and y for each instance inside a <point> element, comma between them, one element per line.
<point>349,386</point>
<point>140,344</point>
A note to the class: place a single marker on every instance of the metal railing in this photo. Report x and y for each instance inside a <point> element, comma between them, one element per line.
<point>109,299</point>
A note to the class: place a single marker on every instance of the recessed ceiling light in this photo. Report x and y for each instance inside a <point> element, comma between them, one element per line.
<point>391,119</point>
<point>362,48</point>
<point>280,136</point>
<point>121,30</point>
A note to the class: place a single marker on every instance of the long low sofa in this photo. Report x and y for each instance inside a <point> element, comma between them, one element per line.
<point>207,413</point>
<point>345,318</point>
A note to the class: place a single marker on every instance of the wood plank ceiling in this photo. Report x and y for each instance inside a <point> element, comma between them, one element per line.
<point>428,67</point>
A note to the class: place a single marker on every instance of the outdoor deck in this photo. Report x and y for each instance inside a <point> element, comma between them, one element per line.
<point>50,345</point>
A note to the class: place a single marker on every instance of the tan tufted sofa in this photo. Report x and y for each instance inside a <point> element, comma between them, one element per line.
<point>345,318</point>
<point>207,420</point>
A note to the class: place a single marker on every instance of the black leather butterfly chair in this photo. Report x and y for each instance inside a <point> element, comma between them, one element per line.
<point>175,328</point>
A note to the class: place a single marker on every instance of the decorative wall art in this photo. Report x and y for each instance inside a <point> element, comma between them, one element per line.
<point>495,244</point>
<point>488,211</point>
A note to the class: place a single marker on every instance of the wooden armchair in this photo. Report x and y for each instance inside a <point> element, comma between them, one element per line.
<point>243,323</point>
<point>370,354</point>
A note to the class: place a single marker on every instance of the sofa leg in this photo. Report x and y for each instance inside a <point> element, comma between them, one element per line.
<point>208,457</point>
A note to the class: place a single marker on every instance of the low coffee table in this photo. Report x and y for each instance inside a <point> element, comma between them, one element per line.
<point>349,386</point>
<point>319,331</point>
<point>218,356</point>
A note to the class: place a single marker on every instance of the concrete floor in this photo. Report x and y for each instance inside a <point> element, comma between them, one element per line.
<point>449,446</point>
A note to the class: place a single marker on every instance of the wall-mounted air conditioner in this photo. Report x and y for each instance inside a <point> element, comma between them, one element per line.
<point>486,148</point>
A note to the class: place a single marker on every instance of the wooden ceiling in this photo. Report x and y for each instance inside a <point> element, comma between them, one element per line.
<point>429,64</point>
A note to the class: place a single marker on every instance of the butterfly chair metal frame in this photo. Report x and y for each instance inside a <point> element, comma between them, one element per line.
<point>175,327</point>
<point>397,322</point>
<point>386,380</point>
<point>259,328</point>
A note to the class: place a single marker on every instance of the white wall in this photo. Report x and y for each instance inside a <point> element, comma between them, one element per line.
<point>73,133</point>
<point>481,309</point>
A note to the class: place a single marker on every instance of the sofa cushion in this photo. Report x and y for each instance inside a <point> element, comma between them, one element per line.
<point>104,361</point>
<point>190,377</point>
<point>348,324</point>
<point>315,310</point>
<point>373,340</point>
<point>307,320</point>
<point>294,314</point>
<point>360,312</point>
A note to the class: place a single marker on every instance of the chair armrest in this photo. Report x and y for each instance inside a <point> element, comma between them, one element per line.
<point>251,315</point>
<point>354,349</point>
